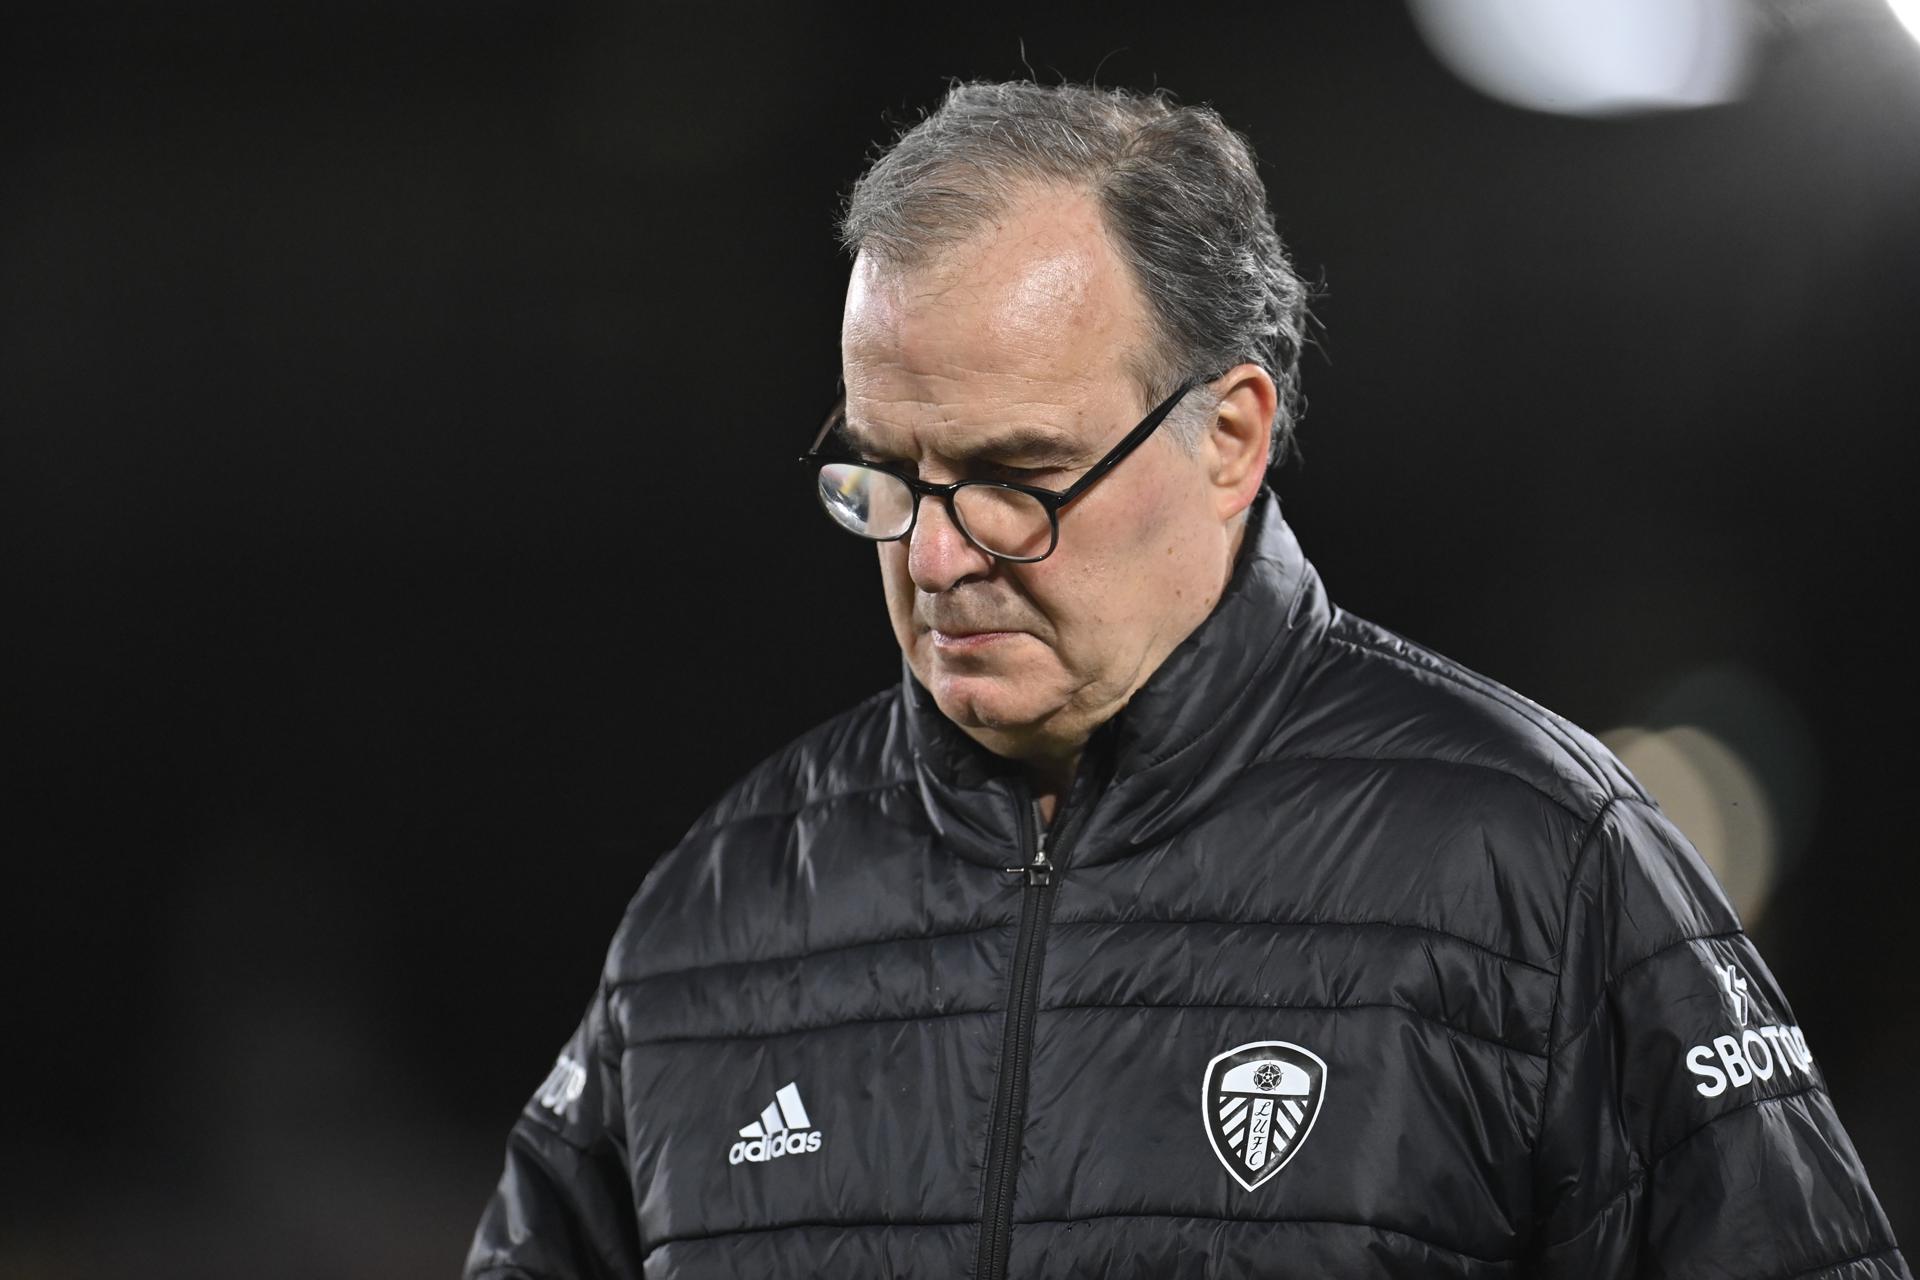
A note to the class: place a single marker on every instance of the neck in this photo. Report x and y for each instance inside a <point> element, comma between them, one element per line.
<point>1050,780</point>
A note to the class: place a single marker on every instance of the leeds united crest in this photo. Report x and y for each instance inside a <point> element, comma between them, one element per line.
<point>1258,1101</point>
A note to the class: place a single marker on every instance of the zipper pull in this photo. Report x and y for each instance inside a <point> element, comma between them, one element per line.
<point>1040,871</point>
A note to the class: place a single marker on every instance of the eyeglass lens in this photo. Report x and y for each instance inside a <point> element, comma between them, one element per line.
<point>874,504</point>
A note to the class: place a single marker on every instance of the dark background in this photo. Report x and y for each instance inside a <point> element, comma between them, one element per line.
<point>401,544</point>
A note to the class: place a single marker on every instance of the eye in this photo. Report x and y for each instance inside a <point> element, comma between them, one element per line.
<point>1019,475</point>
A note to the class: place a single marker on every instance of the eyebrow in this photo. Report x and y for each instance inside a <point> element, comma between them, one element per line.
<point>1034,446</point>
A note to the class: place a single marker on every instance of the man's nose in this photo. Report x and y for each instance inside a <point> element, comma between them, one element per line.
<point>939,556</point>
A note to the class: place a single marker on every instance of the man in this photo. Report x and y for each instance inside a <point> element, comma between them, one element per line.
<point>1164,920</point>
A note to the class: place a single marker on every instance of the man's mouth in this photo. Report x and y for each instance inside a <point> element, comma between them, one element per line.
<point>963,640</point>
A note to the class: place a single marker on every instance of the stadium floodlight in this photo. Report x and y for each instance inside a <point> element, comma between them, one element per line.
<point>1908,11</point>
<point>1595,57</point>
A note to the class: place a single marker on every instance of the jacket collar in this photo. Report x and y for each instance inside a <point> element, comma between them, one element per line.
<point>1205,714</point>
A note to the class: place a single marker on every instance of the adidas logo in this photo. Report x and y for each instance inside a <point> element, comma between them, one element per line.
<point>782,1130</point>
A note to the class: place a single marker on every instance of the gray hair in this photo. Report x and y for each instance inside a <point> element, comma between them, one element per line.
<point>1178,190</point>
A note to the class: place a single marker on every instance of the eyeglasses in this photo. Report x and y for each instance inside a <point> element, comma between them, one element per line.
<point>1016,522</point>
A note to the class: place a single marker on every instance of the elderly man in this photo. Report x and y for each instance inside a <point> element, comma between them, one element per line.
<point>1164,919</point>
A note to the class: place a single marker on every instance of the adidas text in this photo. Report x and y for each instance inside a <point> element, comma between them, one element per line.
<point>783,1129</point>
<point>780,1144</point>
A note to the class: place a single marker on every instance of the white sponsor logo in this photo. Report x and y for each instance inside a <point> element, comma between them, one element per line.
<point>1745,1054</point>
<point>1258,1102</point>
<point>563,1085</point>
<point>783,1129</point>
<point>1733,985</point>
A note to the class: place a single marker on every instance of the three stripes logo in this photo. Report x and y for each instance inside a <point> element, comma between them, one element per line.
<point>1259,1101</point>
<point>783,1129</point>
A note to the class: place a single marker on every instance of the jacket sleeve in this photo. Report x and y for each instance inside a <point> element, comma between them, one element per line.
<point>1686,1129</point>
<point>564,1207</point>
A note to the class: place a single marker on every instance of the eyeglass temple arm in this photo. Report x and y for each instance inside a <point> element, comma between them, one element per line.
<point>826,428</point>
<point>1119,452</point>
<point>834,415</point>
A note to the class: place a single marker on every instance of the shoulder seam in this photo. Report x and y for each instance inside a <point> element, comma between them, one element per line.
<point>1566,917</point>
<point>841,723</point>
<point>1592,1018</point>
<point>1532,712</point>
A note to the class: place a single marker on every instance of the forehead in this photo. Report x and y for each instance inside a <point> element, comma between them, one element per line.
<point>1035,311</point>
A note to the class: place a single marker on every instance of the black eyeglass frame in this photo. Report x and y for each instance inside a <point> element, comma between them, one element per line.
<point>1054,500</point>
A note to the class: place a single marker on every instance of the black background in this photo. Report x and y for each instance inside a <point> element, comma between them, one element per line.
<point>402,544</point>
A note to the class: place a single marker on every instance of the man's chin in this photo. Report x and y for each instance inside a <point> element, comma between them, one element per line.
<point>989,704</point>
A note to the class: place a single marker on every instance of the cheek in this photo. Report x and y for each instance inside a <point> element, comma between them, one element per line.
<point>1085,597</point>
<point>896,584</point>
<point>1132,570</point>
<point>1129,544</point>
<point>893,569</point>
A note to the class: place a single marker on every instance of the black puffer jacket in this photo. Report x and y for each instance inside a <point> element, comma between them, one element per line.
<point>1342,961</point>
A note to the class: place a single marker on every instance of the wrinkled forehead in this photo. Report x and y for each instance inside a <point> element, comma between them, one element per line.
<point>1038,306</point>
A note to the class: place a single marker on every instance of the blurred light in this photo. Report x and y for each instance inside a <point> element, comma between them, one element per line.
<point>1595,57</point>
<point>1716,800</point>
<point>1748,712</point>
<point>1908,11</point>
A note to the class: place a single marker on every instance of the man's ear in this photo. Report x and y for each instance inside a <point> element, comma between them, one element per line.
<point>1235,445</point>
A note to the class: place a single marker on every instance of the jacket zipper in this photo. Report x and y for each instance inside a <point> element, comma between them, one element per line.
<point>1010,1092</point>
